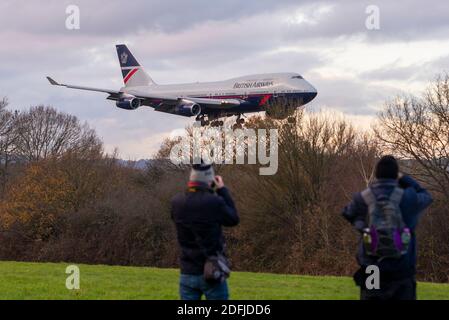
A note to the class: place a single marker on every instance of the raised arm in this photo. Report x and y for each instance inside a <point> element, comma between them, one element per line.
<point>423,197</point>
<point>228,213</point>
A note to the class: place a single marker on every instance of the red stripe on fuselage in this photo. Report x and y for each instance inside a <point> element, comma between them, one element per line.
<point>129,75</point>
<point>264,100</point>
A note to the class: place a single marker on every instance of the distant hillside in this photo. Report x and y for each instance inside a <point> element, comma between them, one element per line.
<point>136,164</point>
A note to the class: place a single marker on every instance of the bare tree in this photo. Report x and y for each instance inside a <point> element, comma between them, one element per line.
<point>7,139</point>
<point>417,129</point>
<point>3,103</point>
<point>44,132</point>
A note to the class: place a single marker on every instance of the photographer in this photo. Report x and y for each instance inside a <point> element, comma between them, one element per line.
<point>199,215</point>
<point>386,214</point>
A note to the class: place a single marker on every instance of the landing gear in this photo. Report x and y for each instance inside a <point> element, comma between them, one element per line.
<point>203,121</point>
<point>211,120</point>
<point>216,123</point>
<point>238,123</point>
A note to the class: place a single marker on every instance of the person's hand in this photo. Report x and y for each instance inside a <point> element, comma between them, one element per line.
<point>218,182</point>
<point>404,182</point>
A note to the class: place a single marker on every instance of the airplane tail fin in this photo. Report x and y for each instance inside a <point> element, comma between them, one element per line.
<point>133,73</point>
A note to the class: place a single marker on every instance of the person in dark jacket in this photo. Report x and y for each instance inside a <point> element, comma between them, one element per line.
<point>199,215</point>
<point>397,275</point>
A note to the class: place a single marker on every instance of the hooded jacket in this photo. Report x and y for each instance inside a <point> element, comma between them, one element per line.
<point>199,215</point>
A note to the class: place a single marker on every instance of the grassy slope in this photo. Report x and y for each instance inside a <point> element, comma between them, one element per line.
<point>47,281</point>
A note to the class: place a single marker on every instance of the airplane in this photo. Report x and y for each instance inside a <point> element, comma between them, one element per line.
<point>207,101</point>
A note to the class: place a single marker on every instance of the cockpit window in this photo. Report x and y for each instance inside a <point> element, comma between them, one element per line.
<point>297,77</point>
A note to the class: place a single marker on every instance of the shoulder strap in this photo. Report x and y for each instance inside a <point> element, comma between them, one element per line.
<point>396,195</point>
<point>368,197</point>
<point>370,200</point>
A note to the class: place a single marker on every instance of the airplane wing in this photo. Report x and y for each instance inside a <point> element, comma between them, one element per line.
<point>164,103</point>
<point>113,94</point>
<point>169,104</point>
<point>175,100</point>
<point>214,103</point>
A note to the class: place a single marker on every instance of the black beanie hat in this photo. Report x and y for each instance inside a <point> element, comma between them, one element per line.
<point>387,168</point>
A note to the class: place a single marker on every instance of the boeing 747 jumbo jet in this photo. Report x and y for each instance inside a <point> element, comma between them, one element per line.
<point>207,101</point>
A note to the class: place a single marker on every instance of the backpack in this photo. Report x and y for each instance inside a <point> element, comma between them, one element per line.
<point>387,236</point>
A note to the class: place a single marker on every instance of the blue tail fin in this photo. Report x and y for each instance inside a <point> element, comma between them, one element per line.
<point>133,73</point>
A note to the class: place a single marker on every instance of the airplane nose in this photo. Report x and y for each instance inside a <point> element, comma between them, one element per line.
<point>309,96</point>
<point>310,93</point>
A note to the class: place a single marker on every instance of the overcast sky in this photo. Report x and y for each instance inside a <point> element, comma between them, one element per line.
<point>354,69</point>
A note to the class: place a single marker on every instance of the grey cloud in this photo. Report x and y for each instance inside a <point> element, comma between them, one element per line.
<point>351,95</point>
<point>404,20</point>
<point>393,72</point>
<point>423,72</point>
<point>399,19</point>
<point>438,66</point>
<point>117,17</point>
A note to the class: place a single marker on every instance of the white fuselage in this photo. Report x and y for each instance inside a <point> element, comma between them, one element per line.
<point>261,84</point>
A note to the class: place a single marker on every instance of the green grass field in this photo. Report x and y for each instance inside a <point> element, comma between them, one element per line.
<point>20,280</point>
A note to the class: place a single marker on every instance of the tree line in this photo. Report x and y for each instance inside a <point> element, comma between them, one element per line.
<point>64,199</point>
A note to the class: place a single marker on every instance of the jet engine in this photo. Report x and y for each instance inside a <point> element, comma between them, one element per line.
<point>188,108</point>
<point>128,103</point>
